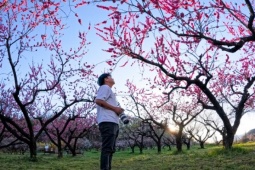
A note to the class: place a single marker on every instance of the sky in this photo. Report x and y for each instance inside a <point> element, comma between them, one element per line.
<point>90,14</point>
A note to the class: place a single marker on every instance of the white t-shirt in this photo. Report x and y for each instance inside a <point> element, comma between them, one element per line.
<point>105,115</point>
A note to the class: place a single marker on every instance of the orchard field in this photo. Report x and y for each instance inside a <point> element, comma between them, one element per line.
<point>184,73</point>
<point>242,156</point>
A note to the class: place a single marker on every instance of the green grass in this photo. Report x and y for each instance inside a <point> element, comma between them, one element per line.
<point>242,157</point>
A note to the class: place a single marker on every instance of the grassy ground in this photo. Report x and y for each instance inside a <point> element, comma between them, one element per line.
<point>212,158</point>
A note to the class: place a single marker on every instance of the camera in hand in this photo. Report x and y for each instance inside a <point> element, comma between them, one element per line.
<point>124,118</point>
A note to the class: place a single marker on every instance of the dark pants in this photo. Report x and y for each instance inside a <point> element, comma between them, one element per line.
<point>109,133</point>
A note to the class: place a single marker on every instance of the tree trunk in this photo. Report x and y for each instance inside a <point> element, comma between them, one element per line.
<point>227,138</point>
<point>179,143</point>
<point>141,149</point>
<point>73,152</point>
<point>187,142</point>
<point>141,145</point>
<point>33,153</point>
<point>228,142</point>
<point>188,145</point>
<point>178,138</point>
<point>169,147</point>
<point>132,149</point>
<point>201,143</point>
<point>60,152</point>
<point>159,146</point>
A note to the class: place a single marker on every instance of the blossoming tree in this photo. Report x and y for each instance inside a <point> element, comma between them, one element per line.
<point>206,47</point>
<point>41,75</point>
